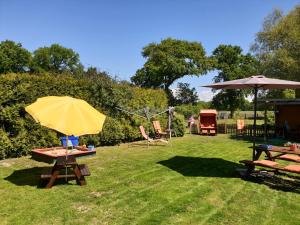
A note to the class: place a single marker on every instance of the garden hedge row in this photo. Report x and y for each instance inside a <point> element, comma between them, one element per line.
<point>19,133</point>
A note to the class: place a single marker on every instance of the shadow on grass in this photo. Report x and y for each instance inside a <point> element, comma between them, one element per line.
<point>285,182</point>
<point>31,177</point>
<point>201,167</point>
<point>217,167</point>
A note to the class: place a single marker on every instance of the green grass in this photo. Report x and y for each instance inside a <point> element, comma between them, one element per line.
<point>191,181</point>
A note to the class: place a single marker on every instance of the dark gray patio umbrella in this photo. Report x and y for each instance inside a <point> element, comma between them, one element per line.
<point>255,83</point>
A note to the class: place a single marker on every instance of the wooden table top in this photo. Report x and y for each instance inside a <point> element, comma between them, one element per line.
<point>60,151</point>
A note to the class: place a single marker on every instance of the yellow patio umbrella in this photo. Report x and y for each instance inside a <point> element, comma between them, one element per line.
<point>67,115</point>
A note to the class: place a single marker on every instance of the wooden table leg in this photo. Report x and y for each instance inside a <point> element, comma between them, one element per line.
<point>79,178</point>
<point>55,173</point>
<point>257,154</point>
<point>269,155</point>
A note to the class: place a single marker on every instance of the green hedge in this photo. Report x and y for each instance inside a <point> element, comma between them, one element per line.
<point>188,109</point>
<point>19,133</point>
<point>178,124</point>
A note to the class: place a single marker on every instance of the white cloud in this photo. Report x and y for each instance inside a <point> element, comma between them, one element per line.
<point>250,98</point>
<point>206,95</point>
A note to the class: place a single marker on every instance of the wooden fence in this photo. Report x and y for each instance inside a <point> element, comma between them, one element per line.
<point>248,130</point>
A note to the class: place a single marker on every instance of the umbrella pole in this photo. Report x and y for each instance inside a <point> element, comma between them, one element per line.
<point>169,123</point>
<point>254,122</point>
<point>265,124</point>
<point>67,140</point>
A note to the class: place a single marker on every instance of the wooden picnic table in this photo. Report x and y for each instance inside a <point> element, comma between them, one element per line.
<point>50,155</point>
<point>273,153</point>
<point>275,149</point>
<point>66,168</point>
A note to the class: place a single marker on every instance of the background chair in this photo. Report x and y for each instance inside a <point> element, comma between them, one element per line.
<point>158,131</point>
<point>146,137</point>
<point>240,127</point>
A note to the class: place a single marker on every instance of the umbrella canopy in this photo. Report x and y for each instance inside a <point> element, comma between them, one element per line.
<point>255,82</point>
<point>258,81</point>
<point>67,115</point>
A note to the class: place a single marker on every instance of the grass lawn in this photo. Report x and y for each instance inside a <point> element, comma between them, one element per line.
<point>191,181</point>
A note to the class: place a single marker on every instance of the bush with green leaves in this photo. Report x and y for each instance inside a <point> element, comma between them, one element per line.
<point>5,144</point>
<point>22,133</point>
<point>178,124</point>
<point>188,109</point>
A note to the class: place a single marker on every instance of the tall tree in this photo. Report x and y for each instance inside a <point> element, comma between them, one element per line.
<point>277,46</point>
<point>185,95</point>
<point>232,64</point>
<point>170,60</point>
<point>13,57</point>
<point>56,59</point>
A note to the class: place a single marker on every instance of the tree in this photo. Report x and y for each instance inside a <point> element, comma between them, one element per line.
<point>232,64</point>
<point>13,57</point>
<point>95,74</point>
<point>230,100</point>
<point>170,60</point>
<point>185,95</point>
<point>56,59</point>
<point>277,46</point>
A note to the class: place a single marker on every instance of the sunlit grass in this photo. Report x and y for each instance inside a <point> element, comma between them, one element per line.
<point>190,181</point>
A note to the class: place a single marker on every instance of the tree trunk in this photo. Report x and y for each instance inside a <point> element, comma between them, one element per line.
<point>297,93</point>
<point>231,113</point>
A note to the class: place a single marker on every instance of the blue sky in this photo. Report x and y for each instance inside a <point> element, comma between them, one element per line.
<point>111,34</point>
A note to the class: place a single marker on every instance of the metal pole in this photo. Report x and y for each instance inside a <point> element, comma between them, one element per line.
<point>169,122</point>
<point>146,110</point>
<point>67,140</point>
<point>265,124</point>
<point>254,122</point>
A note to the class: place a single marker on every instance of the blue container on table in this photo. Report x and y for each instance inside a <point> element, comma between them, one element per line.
<point>73,139</point>
<point>91,147</point>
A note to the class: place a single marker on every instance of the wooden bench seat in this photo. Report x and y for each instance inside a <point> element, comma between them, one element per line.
<point>293,158</point>
<point>47,172</point>
<point>272,165</point>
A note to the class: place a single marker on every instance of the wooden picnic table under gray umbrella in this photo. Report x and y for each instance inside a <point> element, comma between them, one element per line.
<point>255,82</point>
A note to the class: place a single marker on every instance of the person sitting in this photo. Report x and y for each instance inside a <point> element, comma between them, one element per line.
<point>191,122</point>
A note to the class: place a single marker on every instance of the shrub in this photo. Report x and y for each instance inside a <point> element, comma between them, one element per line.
<point>105,94</point>
<point>178,124</point>
<point>5,144</point>
<point>188,109</point>
<point>112,132</point>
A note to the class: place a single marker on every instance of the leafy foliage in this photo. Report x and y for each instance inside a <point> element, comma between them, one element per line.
<point>20,133</point>
<point>55,59</point>
<point>13,58</point>
<point>232,64</point>
<point>5,144</point>
<point>188,109</point>
<point>277,46</point>
<point>170,60</point>
<point>178,124</point>
<point>185,95</point>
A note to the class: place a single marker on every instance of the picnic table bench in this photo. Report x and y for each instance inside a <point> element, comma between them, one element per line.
<point>65,165</point>
<point>67,168</point>
<point>283,153</point>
